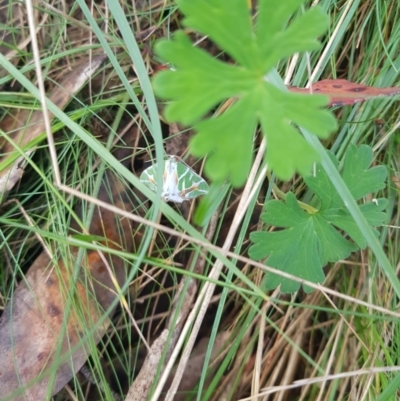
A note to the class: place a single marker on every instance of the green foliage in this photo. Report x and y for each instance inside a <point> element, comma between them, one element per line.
<point>200,82</point>
<point>309,241</point>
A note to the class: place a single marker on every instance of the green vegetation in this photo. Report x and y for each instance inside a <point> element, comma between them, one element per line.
<point>348,324</point>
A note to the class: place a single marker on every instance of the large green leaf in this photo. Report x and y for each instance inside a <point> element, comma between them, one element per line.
<point>198,82</point>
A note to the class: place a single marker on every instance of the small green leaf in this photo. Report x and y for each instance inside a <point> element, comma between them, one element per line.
<point>307,242</point>
<point>356,173</point>
<point>199,83</point>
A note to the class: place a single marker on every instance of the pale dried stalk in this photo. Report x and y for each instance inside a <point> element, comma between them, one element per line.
<point>205,296</point>
<point>141,387</point>
<point>194,369</point>
<point>217,251</point>
<point>256,374</point>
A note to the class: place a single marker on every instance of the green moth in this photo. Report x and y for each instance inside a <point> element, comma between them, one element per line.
<point>180,182</point>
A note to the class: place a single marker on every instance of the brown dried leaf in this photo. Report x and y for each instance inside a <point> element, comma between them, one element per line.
<point>342,92</point>
<point>32,327</point>
<point>23,126</point>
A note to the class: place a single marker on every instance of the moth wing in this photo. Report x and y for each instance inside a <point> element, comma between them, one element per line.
<point>148,177</point>
<point>199,188</point>
<point>203,186</point>
<point>190,184</point>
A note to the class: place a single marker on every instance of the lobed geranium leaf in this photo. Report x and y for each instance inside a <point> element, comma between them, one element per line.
<point>198,82</point>
<point>308,241</point>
